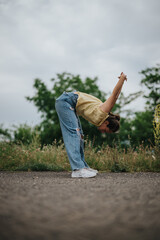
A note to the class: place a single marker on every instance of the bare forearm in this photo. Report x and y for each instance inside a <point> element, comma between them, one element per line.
<point>109,103</point>
<point>117,89</point>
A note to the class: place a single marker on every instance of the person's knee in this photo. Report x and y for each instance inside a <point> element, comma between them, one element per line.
<point>79,133</point>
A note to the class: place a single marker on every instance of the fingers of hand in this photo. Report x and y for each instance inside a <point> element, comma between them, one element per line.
<point>122,75</point>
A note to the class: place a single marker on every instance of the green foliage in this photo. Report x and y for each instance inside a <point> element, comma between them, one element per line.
<point>31,157</point>
<point>44,100</point>
<point>152,81</point>
<point>24,134</point>
<point>53,157</point>
<point>142,128</point>
<point>120,152</point>
<point>132,131</point>
<point>4,133</point>
<point>125,100</point>
<point>125,132</point>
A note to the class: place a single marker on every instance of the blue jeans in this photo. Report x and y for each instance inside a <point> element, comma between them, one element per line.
<point>71,129</point>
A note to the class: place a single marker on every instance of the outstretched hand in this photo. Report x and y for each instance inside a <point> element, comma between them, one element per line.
<point>123,76</point>
<point>109,103</point>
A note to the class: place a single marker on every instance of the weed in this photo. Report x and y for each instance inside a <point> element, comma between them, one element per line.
<point>20,157</point>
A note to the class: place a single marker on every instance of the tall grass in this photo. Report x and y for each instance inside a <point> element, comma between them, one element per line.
<point>20,157</point>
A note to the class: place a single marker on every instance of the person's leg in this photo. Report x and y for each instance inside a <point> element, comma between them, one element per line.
<point>71,131</point>
<point>82,148</point>
<point>82,142</point>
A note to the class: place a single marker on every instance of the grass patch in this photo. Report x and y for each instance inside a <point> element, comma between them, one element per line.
<point>14,157</point>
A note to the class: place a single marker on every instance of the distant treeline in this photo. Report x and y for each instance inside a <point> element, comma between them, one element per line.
<point>136,127</point>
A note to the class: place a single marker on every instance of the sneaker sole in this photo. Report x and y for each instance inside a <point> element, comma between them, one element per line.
<point>83,177</point>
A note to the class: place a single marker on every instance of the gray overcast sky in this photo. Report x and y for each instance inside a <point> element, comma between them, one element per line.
<point>40,38</point>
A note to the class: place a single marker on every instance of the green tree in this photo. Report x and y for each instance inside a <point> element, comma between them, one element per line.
<point>4,133</point>
<point>142,124</point>
<point>25,134</point>
<point>151,80</point>
<point>44,99</point>
<point>123,101</point>
<point>142,128</point>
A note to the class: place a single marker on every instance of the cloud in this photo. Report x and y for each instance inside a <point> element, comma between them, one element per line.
<point>91,38</point>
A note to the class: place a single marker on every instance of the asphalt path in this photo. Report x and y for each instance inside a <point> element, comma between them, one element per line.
<point>50,205</point>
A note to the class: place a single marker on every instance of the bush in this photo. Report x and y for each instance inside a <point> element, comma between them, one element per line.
<point>25,134</point>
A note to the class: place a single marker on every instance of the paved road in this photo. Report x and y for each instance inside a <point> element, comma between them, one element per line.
<point>49,205</point>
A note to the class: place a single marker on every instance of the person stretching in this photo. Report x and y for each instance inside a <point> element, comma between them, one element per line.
<point>71,105</point>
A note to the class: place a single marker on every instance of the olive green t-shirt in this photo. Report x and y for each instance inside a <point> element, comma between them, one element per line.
<point>88,107</point>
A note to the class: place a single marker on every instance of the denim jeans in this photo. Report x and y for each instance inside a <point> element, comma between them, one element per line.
<point>71,129</point>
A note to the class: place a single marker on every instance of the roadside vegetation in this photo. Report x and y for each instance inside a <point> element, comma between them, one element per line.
<point>20,157</point>
<point>135,148</point>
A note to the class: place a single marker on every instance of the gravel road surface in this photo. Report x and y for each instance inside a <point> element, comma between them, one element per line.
<point>50,205</point>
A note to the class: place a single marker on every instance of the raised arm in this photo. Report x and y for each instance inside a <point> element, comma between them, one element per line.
<point>109,103</point>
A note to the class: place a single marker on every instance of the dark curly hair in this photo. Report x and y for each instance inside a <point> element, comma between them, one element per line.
<point>114,122</point>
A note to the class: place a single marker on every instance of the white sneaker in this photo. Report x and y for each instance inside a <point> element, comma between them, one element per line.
<point>83,173</point>
<point>92,170</point>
